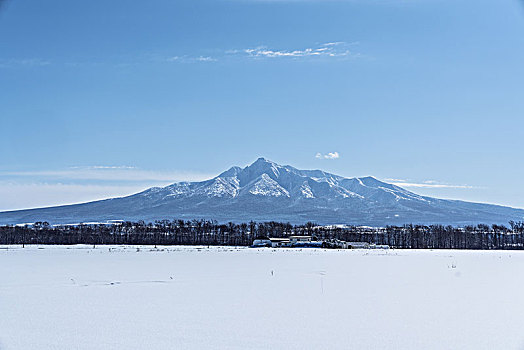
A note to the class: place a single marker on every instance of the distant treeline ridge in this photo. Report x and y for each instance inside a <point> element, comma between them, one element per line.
<point>209,232</point>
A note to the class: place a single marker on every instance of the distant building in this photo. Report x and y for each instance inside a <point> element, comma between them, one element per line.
<point>310,242</point>
<point>262,242</point>
<point>357,245</point>
<point>299,239</point>
<point>379,246</point>
<point>336,243</point>
<point>280,242</point>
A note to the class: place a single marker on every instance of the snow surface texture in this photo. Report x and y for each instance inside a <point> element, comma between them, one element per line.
<point>265,191</point>
<point>240,298</point>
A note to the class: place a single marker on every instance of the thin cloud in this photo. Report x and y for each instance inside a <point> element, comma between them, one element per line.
<point>329,50</point>
<point>426,184</point>
<point>15,195</point>
<point>106,173</point>
<point>23,62</point>
<point>191,59</point>
<point>205,59</point>
<point>329,155</point>
<point>319,1</point>
<point>104,167</point>
<point>334,49</point>
<point>30,189</point>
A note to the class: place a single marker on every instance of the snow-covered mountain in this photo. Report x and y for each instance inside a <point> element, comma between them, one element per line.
<point>266,191</point>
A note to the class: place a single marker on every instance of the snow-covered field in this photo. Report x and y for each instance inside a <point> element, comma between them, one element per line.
<point>76,297</point>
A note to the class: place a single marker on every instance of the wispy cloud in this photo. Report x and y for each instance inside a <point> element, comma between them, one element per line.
<point>321,1</point>
<point>30,189</point>
<point>105,173</point>
<point>335,49</point>
<point>190,59</point>
<point>103,167</point>
<point>14,195</point>
<point>426,184</point>
<point>23,62</point>
<point>340,50</point>
<point>329,155</point>
<point>330,49</point>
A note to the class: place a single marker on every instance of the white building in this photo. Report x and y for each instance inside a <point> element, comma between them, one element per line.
<point>357,245</point>
<point>280,242</point>
<point>264,242</point>
<point>299,239</point>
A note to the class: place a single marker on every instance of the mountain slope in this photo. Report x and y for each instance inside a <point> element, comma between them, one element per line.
<point>266,191</point>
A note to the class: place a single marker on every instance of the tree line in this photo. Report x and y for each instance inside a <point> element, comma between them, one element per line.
<point>210,232</point>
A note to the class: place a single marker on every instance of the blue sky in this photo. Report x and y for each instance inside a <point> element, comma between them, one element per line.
<point>104,98</point>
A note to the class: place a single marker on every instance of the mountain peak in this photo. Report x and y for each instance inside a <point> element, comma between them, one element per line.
<point>262,160</point>
<point>259,167</point>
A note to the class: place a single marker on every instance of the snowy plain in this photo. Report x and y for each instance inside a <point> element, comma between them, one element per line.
<point>138,297</point>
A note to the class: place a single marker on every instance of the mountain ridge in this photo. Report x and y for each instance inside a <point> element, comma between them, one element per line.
<point>267,191</point>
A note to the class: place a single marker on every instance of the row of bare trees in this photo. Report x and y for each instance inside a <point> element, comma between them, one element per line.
<point>209,232</point>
